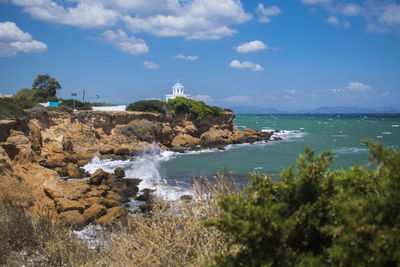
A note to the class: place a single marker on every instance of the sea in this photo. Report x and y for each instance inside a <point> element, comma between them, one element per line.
<point>172,174</point>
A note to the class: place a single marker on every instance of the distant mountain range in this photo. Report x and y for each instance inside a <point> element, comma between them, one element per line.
<point>320,110</point>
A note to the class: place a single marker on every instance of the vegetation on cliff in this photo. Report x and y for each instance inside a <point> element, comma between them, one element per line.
<point>78,104</point>
<point>179,105</point>
<point>317,217</point>
<point>8,110</point>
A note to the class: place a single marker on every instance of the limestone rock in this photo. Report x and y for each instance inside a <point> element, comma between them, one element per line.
<point>94,212</point>
<point>122,150</point>
<point>98,176</point>
<point>184,140</point>
<point>117,197</point>
<point>73,171</point>
<point>112,215</point>
<point>106,149</point>
<point>119,172</point>
<point>109,203</point>
<point>73,218</point>
<point>63,204</point>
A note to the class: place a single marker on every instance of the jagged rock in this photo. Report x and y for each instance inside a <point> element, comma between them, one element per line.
<point>96,193</point>
<point>94,212</point>
<point>187,197</point>
<point>277,138</point>
<point>122,151</point>
<point>184,140</point>
<point>117,197</point>
<point>119,172</point>
<point>109,203</point>
<point>63,204</point>
<point>112,215</point>
<point>148,190</point>
<point>57,188</point>
<point>144,197</point>
<point>125,189</point>
<point>106,149</point>
<point>98,176</point>
<point>73,171</point>
<point>146,207</point>
<point>73,218</point>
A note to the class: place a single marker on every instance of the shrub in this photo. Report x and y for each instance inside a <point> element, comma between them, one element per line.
<point>197,108</point>
<point>341,218</point>
<point>155,106</point>
<point>78,104</point>
<point>8,110</point>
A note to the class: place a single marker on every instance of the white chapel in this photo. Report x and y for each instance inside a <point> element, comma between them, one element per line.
<point>178,90</point>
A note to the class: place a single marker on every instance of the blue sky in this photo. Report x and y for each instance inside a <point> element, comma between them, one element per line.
<point>291,54</point>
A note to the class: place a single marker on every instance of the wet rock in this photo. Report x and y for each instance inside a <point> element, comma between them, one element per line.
<point>94,212</point>
<point>277,138</point>
<point>98,176</point>
<point>187,197</point>
<point>106,149</point>
<point>63,204</point>
<point>117,197</point>
<point>122,151</point>
<point>148,190</point>
<point>112,215</point>
<point>73,171</point>
<point>119,172</point>
<point>144,197</point>
<point>147,207</point>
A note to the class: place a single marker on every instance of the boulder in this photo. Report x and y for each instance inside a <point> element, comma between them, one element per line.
<point>109,203</point>
<point>57,188</point>
<point>184,140</point>
<point>119,172</point>
<point>106,149</point>
<point>117,197</point>
<point>147,207</point>
<point>187,197</point>
<point>144,197</point>
<point>98,176</point>
<point>122,151</point>
<point>73,171</point>
<point>63,204</point>
<point>72,218</point>
<point>112,215</point>
<point>95,211</point>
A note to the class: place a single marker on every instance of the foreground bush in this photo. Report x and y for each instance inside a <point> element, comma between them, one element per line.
<point>317,217</point>
<point>8,110</point>
<point>155,106</point>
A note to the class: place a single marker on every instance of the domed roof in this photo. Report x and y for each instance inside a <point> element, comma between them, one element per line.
<point>178,84</point>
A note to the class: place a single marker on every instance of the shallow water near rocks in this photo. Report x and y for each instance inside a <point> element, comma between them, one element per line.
<point>172,173</point>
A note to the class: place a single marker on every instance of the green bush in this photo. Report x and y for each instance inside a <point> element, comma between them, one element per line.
<point>198,108</point>
<point>78,104</point>
<point>8,110</point>
<point>155,106</point>
<point>317,217</point>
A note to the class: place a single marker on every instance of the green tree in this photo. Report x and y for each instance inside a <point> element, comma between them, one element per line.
<point>46,86</point>
<point>316,217</point>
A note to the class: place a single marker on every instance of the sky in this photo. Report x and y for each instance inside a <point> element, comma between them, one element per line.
<point>283,54</point>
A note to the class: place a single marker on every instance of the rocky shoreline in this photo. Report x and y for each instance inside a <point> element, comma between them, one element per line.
<point>36,151</point>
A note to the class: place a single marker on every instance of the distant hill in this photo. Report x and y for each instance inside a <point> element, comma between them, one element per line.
<point>255,110</point>
<point>347,109</point>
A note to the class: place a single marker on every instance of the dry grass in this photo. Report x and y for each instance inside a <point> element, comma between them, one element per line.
<point>172,234</point>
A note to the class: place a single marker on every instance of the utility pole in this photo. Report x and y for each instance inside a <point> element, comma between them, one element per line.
<point>83,98</point>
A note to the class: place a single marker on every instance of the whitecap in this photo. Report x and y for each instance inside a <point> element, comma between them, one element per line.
<point>379,136</point>
<point>350,150</point>
<point>387,133</point>
<point>395,125</point>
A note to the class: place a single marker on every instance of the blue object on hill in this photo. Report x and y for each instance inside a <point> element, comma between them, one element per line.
<point>54,104</point>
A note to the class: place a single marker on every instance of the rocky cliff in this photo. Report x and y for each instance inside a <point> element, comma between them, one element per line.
<point>37,150</point>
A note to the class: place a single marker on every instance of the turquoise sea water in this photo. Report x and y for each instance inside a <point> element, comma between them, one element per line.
<point>341,133</point>
<point>171,173</point>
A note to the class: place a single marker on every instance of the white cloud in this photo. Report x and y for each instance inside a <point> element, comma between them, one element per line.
<point>357,86</point>
<point>252,46</point>
<point>235,64</point>
<point>150,65</point>
<point>335,91</point>
<point>350,10</point>
<point>346,24</point>
<point>265,14</point>
<point>333,21</point>
<point>130,44</point>
<point>194,19</point>
<point>190,58</point>
<point>312,2</point>
<point>205,98</point>
<point>13,40</point>
<point>238,98</point>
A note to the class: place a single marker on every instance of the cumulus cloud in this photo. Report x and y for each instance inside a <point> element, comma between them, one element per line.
<point>358,86</point>
<point>204,98</point>
<point>150,65</point>
<point>252,46</point>
<point>195,19</point>
<point>333,21</point>
<point>236,64</point>
<point>130,44</point>
<point>312,2</point>
<point>189,58</point>
<point>14,40</point>
<point>265,13</point>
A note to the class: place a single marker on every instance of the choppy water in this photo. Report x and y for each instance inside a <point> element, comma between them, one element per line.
<point>172,173</point>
